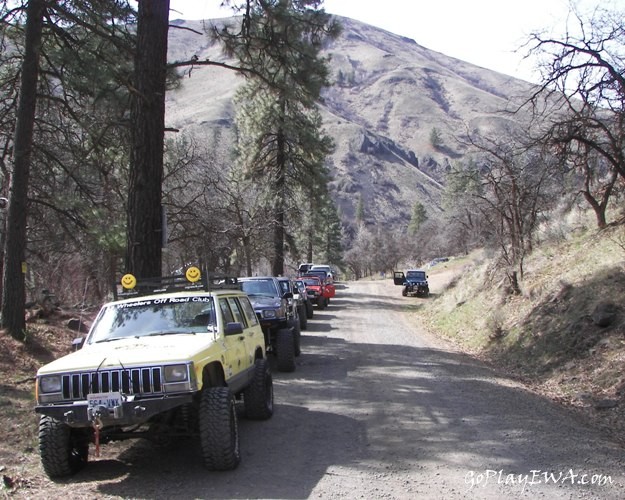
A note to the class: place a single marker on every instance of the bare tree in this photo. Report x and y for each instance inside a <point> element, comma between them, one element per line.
<point>581,101</point>
<point>515,192</point>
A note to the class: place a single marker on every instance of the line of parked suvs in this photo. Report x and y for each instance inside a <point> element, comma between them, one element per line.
<point>173,357</point>
<point>284,306</point>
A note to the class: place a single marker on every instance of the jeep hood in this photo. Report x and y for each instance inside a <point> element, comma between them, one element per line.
<point>265,302</point>
<point>132,351</point>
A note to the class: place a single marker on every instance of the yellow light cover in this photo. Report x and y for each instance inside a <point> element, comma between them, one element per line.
<point>129,281</point>
<point>193,274</point>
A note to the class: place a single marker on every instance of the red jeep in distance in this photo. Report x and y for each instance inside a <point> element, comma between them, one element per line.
<point>319,292</point>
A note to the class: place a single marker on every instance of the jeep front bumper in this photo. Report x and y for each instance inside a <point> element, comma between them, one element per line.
<point>132,411</point>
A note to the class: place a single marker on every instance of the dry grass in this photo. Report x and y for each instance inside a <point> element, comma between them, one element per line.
<point>19,457</point>
<point>546,336</point>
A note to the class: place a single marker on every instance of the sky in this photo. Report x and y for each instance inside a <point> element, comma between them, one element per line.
<point>488,33</point>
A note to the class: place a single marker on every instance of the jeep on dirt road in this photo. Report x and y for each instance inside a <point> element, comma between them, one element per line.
<point>278,316</point>
<point>415,282</point>
<point>166,360</point>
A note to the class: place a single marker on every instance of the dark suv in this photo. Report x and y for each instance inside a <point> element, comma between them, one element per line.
<point>298,302</point>
<point>415,282</point>
<point>278,318</point>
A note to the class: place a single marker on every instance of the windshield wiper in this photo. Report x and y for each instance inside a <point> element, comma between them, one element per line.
<point>110,339</point>
<point>167,332</point>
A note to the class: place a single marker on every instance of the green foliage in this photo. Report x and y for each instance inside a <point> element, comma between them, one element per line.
<point>78,174</point>
<point>281,143</point>
<point>436,139</point>
<point>360,210</point>
<point>332,235</point>
<point>418,217</point>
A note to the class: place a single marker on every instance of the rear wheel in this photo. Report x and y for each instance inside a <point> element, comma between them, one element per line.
<point>285,350</point>
<point>63,450</point>
<point>258,397</point>
<point>297,336</point>
<point>309,309</point>
<point>303,317</point>
<point>219,429</point>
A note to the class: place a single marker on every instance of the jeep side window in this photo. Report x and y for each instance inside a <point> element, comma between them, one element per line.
<point>236,311</point>
<point>226,313</point>
<point>248,310</point>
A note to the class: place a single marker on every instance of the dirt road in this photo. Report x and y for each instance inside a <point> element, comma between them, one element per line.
<point>377,408</point>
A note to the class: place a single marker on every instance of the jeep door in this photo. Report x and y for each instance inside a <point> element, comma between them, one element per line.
<point>399,278</point>
<point>236,358</point>
<point>254,336</point>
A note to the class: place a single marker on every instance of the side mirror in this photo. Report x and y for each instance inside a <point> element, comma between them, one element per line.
<point>233,328</point>
<point>77,343</point>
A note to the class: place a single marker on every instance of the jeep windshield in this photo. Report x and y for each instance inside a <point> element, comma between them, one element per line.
<point>154,316</point>
<point>311,281</point>
<point>415,275</point>
<point>265,287</point>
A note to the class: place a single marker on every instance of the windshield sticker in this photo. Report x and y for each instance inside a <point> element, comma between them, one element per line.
<point>163,301</point>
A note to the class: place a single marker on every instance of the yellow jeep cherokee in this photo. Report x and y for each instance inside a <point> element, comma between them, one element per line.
<point>169,359</point>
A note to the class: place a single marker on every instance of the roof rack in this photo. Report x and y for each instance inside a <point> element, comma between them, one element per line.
<point>193,279</point>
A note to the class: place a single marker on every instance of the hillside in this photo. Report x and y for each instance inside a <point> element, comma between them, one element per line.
<point>389,93</point>
<point>564,336</point>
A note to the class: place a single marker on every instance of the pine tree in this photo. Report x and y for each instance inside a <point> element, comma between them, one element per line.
<point>281,143</point>
<point>13,298</point>
<point>418,217</point>
<point>145,236</point>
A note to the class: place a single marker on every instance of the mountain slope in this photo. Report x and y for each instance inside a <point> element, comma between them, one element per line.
<point>388,96</point>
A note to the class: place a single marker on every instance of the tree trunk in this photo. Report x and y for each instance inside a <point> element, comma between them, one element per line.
<point>277,265</point>
<point>145,227</point>
<point>13,298</point>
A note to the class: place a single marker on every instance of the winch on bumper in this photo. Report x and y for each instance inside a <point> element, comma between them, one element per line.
<point>129,411</point>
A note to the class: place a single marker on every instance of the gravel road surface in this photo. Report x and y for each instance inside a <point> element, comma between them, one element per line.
<point>377,408</point>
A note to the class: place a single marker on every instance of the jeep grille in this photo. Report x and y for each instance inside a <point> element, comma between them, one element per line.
<point>138,381</point>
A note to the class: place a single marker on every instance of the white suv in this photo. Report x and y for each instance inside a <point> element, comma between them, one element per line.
<point>326,268</point>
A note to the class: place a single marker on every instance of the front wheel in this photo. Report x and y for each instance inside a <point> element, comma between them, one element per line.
<point>219,429</point>
<point>64,451</point>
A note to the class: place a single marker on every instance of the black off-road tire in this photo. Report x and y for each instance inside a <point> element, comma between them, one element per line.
<point>258,396</point>
<point>309,309</point>
<point>219,429</point>
<point>297,336</point>
<point>303,317</point>
<point>404,292</point>
<point>64,451</point>
<point>285,350</point>
<point>321,303</point>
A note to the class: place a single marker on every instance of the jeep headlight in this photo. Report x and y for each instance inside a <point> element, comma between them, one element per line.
<point>269,313</point>
<point>179,378</point>
<point>50,383</point>
<point>176,373</point>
